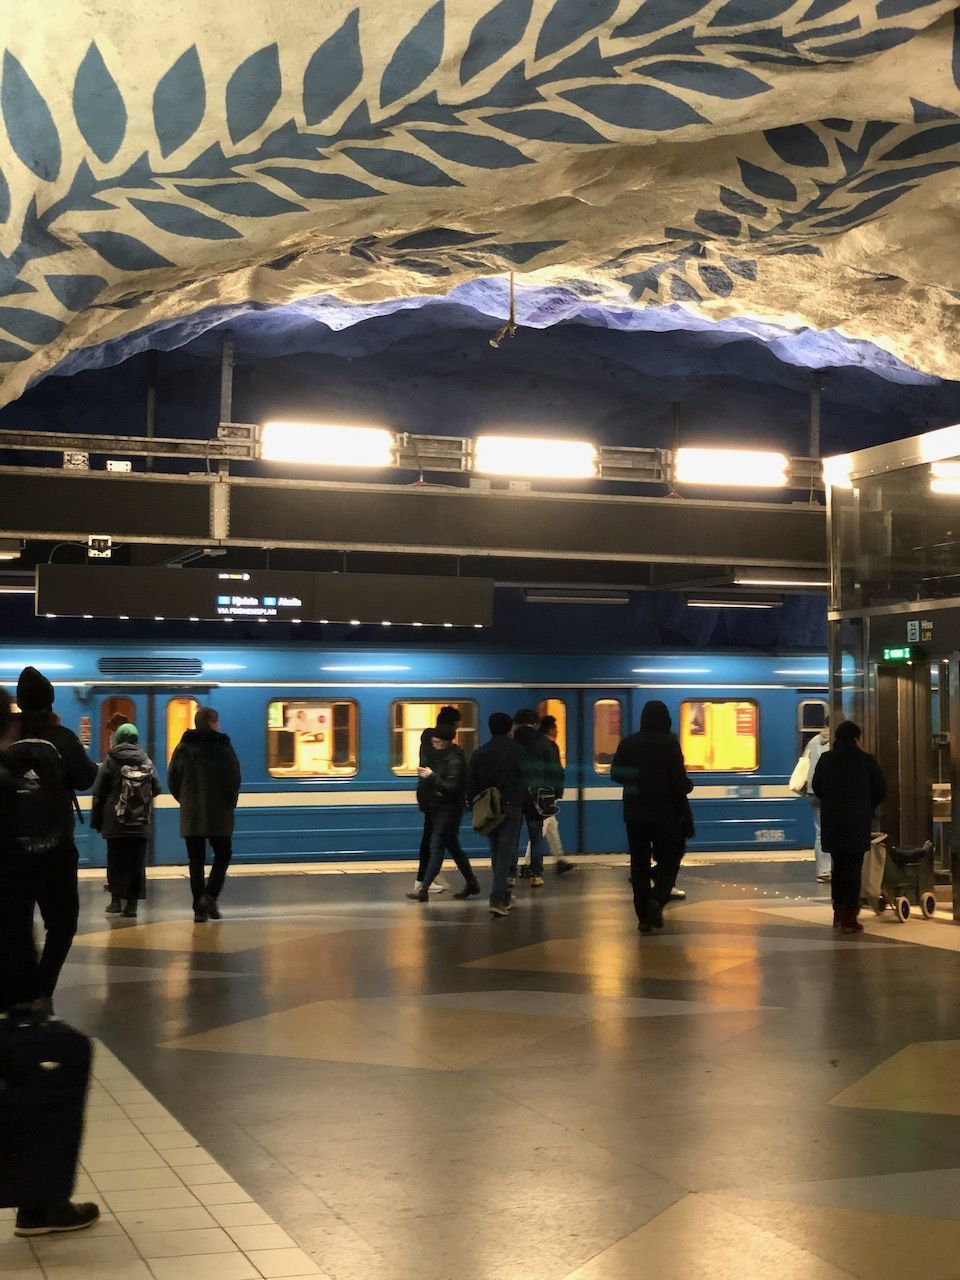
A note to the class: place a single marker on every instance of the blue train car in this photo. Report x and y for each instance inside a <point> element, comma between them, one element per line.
<point>328,738</point>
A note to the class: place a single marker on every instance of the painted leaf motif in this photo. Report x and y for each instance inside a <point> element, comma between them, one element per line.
<point>333,72</point>
<point>30,326</point>
<point>180,220</point>
<point>740,13</point>
<point>568,20</point>
<point>243,199</point>
<point>179,102</point>
<point>635,106</point>
<point>440,238</point>
<point>871,42</point>
<point>896,177</point>
<point>415,57</point>
<point>75,292</point>
<point>4,198</point>
<point>98,106</point>
<point>820,9</point>
<point>865,209</point>
<point>737,202</point>
<point>30,128</point>
<point>682,291</point>
<point>955,57</point>
<point>320,186</point>
<point>655,15</point>
<point>745,268</point>
<point>471,148</point>
<point>921,144</point>
<point>717,281</point>
<point>765,182</point>
<point>797,144</point>
<point>924,112</point>
<point>708,77</point>
<point>494,35</point>
<point>124,252</point>
<point>253,91</point>
<point>718,223</point>
<point>12,352</point>
<point>545,126</point>
<point>399,166</point>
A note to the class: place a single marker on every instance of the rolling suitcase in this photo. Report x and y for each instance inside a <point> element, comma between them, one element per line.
<point>44,1074</point>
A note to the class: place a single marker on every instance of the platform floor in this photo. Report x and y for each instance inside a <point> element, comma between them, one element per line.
<point>337,1082</point>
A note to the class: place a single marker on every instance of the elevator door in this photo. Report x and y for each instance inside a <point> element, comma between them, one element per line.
<point>905,750</point>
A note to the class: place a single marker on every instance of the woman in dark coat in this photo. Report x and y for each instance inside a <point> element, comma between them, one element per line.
<point>849,785</point>
<point>123,814</point>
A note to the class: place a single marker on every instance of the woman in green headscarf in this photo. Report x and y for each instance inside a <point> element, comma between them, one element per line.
<point>123,813</point>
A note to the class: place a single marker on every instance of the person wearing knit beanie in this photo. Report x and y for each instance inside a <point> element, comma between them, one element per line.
<point>34,691</point>
<point>125,733</point>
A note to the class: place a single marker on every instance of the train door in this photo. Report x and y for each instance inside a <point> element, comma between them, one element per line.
<point>100,715</point>
<point>605,717</point>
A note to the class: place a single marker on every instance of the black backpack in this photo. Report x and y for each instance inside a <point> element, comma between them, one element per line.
<point>42,794</point>
<point>135,800</point>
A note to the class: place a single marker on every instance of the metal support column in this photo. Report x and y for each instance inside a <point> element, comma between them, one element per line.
<point>953,680</point>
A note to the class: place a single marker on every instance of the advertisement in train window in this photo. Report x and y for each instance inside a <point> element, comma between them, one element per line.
<point>697,721</point>
<point>746,720</point>
<point>310,719</point>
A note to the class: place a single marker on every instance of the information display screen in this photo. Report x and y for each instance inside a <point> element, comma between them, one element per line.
<point>273,595</point>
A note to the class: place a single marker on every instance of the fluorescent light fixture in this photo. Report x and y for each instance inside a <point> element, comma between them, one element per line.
<point>733,604</point>
<point>321,445</point>
<point>9,549</point>
<point>224,666</point>
<point>354,622</point>
<point>557,595</point>
<point>733,468</point>
<point>16,591</point>
<point>945,478</point>
<point>538,458</point>
<point>448,624</point>
<point>386,624</point>
<point>671,671</point>
<point>757,580</point>
<point>836,471</point>
<point>478,626</point>
<point>47,666</point>
<point>375,666</point>
<point>821,672</point>
<point>937,445</point>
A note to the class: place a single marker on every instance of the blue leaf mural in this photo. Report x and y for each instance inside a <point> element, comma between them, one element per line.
<point>399,166</point>
<point>495,34</point>
<point>718,223</point>
<point>12,352</point>
<point>863,210</point>
<point>921,144</point>
<point>635,106</point>
<point>320,186</point>
<point>708,77</point>
<point>472,149</point>
<point>30,128</point>
<point>568,20</point>
<point>896,177</point>
<point>243,199</point>
<point>180,220</point>
<point>98,106</point>
<point>766,182</point>
<point>797,144</point>
<point>955,54</point>
<point>745,268</point>
<point>870,42</point>
<point>655,15</point>
<point>741,13</point>
<point>415,58</point>
<point>30,326</point>
<point>545,126</point>
<point>820,9</point>
<point>737,202</point>
<point>75,292</point>
<point>253,91</point>
<point>682,291</point>
<point>333,72</point>
<point>179,102</point>
<point>717,281</point>
<point>4,198</point>
<point>124,252</point>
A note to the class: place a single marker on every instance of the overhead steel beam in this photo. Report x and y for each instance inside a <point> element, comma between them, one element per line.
<point>423,520</point>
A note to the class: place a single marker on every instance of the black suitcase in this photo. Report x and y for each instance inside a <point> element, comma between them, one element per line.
<point>44,1074</point>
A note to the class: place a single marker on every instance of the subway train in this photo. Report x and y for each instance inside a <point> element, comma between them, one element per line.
<point>328,738</point>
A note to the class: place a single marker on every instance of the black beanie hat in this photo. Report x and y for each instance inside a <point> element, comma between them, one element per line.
<point>34,691</point>
<point>445,731</point>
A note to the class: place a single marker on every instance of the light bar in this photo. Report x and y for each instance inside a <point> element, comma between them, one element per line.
<point>9,549</point>
<point>757,580</point>
<point>734,604</point>
<point>326,446</point>
<point>945,477</point>
<point>16,591</point>
<point>540,459</point>
<point>836,472</point>
<point>936,445</point>
<point>731,468</point>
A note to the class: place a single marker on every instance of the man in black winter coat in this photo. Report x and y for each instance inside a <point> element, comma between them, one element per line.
<point>450,717</point>
<point>849,785</point>
<point>204,777</point>
<point>53,874</point>
<point>503,764</point>
<point>649,766</point>
<point>443,784</point>
<point>541,777</point>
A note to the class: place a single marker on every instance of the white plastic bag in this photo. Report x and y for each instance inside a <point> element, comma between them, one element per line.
<point>800,776</point>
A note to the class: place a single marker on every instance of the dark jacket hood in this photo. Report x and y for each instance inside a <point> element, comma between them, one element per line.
<point>655,717</point>
<point>128,753</point>
<point>205,735</point>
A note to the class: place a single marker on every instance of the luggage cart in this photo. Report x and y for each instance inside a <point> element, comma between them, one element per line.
<point>899,879</point>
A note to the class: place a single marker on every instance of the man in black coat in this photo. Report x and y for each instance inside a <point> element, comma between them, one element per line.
<point>204,777</point>
<point>541,776</point>
<point>649,766</point>
<point>444,783</point>
<point>849,785</point>
<point>53,875</point>
<point>446,716</point>
<point>501,763</point>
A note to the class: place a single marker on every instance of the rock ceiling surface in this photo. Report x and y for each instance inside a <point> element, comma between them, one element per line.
<point>761,163</point>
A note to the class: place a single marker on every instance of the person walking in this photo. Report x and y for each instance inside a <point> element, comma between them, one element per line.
<point>540,789</point>
<point>649,766</point>
<point>446,716</point>
<point>47,751</point>
<point>849,785</point>
<point>204,779</point>
<point>816,747</point>
<point>444,782</point>
<point>551,824</point>
<point>501,764</point>
<point>123,814</point>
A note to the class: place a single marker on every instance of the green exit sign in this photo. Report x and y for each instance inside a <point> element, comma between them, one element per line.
<point>902,654</point>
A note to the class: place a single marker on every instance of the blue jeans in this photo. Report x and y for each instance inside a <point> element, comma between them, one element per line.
<point>824,862</point>
<point>445,838</point>
<point>539,845</point>
<point>504,850</point>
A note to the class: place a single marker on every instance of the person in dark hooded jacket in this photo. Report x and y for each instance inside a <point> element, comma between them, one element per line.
<point>451,717</point>
<point>542,777</point>
<point>123,814</point>
<point>849,784</point>
<point>204,777</point>
<point>442,791</point>
<point>649,766</point>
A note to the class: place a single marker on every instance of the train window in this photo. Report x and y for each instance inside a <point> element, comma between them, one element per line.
<point>307,738</point>
<point>607,719</point>
<point>811,719</point>
<point>720,737</point>
<point>180,714</point>
<point>558,709</point>
<point>113,713</point>
<point>408,721</point>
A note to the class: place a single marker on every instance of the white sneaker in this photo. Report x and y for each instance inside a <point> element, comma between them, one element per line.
<point>417,886</point>
<point>438,887</point>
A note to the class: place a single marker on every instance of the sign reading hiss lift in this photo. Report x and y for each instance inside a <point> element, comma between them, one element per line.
<point>283,595</point>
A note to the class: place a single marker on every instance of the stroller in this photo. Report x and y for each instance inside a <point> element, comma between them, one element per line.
<point>899,879</point>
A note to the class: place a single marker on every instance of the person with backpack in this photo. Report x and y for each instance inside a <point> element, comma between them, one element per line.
<point>123,814</point>
<point>446,717</point>
<point>50,766</point>
<point>444,784</point>
<point>204,778</point>
<point>496,790</point>
<point>540,801</point>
